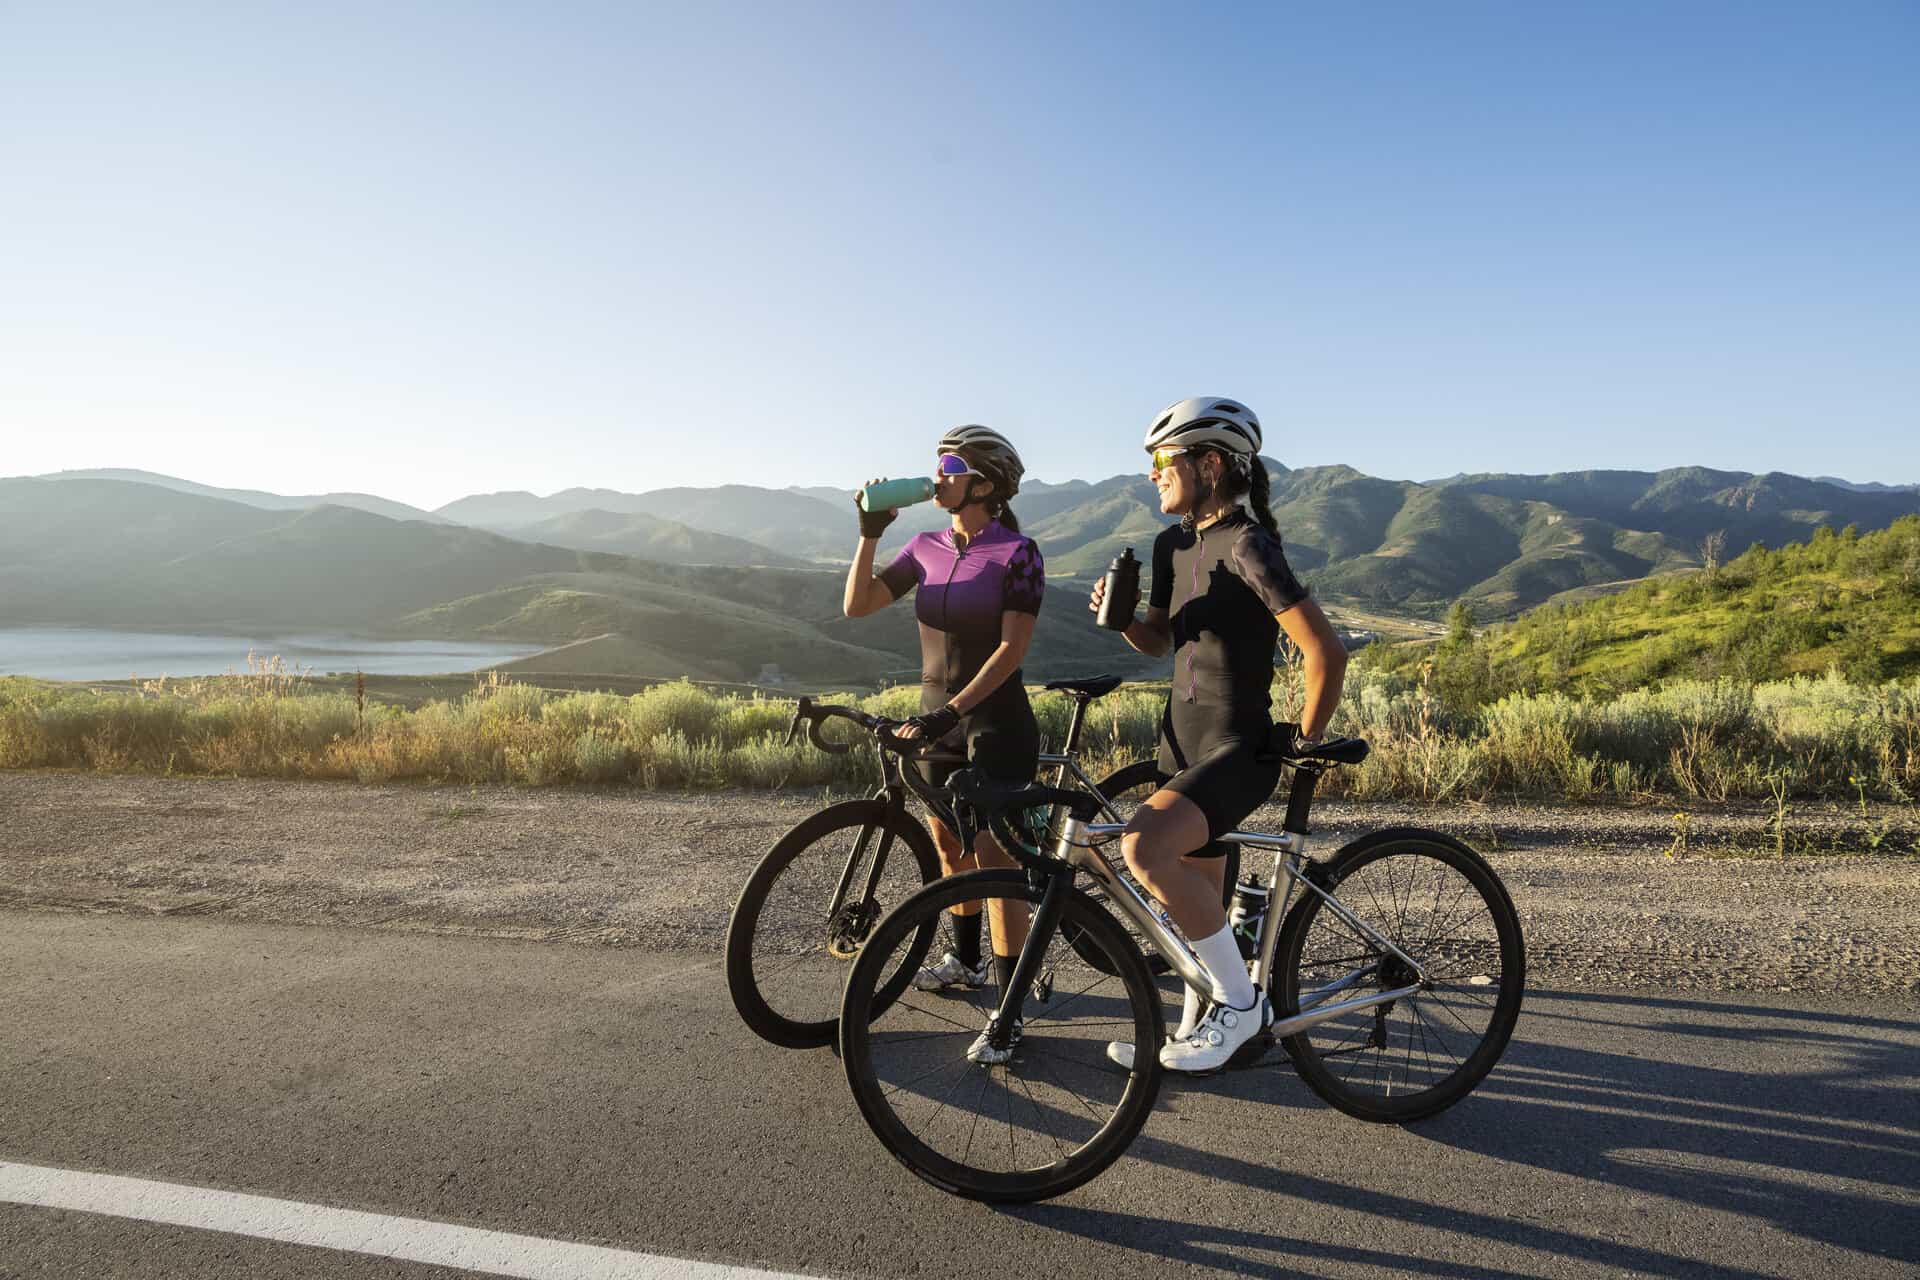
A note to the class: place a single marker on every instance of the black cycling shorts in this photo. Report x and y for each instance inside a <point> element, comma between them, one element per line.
<point>1233,775</point>
<point>1004,745</point>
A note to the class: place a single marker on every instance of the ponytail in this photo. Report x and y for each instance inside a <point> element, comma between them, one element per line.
<point>1000,511</point>
<point>1247,478</point>
<point>1257,498</point>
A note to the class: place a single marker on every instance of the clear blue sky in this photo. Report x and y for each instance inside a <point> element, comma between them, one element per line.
<point>432,249</point>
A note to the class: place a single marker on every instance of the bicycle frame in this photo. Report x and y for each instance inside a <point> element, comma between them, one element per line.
<point>1076,849</point>
<point>897,779</point>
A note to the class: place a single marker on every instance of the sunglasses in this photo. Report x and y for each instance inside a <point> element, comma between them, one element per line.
<point>952,465</point>
<point>1163,458</point>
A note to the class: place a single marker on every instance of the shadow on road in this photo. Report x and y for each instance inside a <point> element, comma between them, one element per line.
<point>1828,1152</point>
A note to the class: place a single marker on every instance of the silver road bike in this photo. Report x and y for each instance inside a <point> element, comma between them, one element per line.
<point>1394,968</point>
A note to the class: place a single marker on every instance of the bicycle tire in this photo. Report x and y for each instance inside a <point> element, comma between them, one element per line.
<point>1477,966</point>
<point>885,1045</point>
<point>803,1016</point>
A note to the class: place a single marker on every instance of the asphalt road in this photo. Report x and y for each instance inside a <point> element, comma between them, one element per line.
<point>610,1097</point>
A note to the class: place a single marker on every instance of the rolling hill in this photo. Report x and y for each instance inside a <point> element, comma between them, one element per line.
<point>734,578</point>
<point>1838,600</point>
<point>114,553</point>
<point>254,497</point>
<point>649,538</point>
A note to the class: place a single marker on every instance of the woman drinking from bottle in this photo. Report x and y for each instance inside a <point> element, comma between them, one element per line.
<point>1221,593</point>
<point>978,585</point>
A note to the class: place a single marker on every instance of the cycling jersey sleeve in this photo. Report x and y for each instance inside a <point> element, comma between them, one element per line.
<point>1262,565</point>
<point>1160,591</point>
<point>903,573</point>
<point>1026,580</point>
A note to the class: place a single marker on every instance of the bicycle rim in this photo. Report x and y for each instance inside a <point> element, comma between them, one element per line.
<point>789,948</point>
<point>1059,1111</point>
<point>1417,1055</point>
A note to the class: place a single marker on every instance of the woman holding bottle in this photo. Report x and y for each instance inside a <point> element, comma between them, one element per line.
<point>978,586</point>
<point>1220,595</point>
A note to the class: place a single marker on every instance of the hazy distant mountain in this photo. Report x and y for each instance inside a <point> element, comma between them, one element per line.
<point>1870,486</point>
<point>114,553</point>
<point>648,537</point>
<point>810,525</point>
<point>253,497</point>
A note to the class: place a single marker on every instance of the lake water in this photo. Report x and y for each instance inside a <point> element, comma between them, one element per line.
<point>72,653</point>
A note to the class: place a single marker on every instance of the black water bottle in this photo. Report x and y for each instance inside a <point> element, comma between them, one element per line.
<point>1122,595</point>
<point>1249,909</point>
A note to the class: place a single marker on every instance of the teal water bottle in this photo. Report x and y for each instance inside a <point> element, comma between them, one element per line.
<point>890,495</point>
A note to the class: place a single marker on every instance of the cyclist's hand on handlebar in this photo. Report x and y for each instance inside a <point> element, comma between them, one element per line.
<point>932,726</point>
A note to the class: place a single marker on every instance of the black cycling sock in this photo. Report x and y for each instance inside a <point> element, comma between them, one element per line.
<point>966,939</point>
<point>1003,971</point>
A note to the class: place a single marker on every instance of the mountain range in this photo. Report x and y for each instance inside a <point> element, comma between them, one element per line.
<point>721,582</point>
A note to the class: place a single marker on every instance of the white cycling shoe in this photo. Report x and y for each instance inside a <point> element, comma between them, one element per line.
<point>952,971</point>
<point>1120,1052</point>
<point>1221,1035</point>
<point>1224,1035</point>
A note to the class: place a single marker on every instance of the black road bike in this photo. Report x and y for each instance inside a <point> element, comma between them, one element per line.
<point>816,897</point>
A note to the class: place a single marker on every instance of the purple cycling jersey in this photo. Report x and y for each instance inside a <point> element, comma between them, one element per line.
<point>961,594</point>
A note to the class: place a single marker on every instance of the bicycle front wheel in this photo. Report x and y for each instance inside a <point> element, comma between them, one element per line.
<point>1055,1114</point>
<point>809,907</point>
<point>1442,906</point>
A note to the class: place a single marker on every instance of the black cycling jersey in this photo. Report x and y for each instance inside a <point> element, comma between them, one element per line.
<point>1221,587</point>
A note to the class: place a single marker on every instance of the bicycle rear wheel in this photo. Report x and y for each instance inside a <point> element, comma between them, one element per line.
<point>789,946</point>
<point>1441,904</point>
<point>1040,1124</point>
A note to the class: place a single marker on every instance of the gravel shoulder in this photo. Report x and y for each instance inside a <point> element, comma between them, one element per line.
<point>1603,903</point>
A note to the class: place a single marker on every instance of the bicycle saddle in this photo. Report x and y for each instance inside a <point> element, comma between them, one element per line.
<point>1087,686</point>
<point>1337,751</point>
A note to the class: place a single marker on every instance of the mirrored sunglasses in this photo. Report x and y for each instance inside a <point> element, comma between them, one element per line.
<point>1163,458</point>
<point>952,464</point>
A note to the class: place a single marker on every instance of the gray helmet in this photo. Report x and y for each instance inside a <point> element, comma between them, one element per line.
<point>994,455</point>
<point>1226,425</point>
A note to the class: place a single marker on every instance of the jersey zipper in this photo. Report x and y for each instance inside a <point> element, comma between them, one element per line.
<point>1193,646</point>
<point>946,595</point>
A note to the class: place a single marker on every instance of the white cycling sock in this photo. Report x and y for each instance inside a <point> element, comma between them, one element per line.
<point>1191,1009</point>
<point>1221,954</point>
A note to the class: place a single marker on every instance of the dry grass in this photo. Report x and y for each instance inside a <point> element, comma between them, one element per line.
<point>1705,741</point>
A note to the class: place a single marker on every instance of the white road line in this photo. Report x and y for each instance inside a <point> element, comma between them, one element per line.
<point>441,1244</point>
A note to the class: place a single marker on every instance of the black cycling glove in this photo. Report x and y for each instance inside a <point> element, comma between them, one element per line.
<point>873,523</point>
<point>935,725</point>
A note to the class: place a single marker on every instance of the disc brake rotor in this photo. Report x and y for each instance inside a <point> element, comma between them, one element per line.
<point>847,931</point>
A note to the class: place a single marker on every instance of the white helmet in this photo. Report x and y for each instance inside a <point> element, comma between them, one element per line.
<point>994,454</point>
<point>1227,425</point>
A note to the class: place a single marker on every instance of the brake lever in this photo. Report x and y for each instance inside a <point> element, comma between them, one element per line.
<point>800,716</point>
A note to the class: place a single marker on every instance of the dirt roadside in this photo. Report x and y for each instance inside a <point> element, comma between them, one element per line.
<point>1602,902</point>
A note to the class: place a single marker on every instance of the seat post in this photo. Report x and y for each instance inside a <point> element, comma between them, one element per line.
<point>1300,799</point>
<point>1080,701</point>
